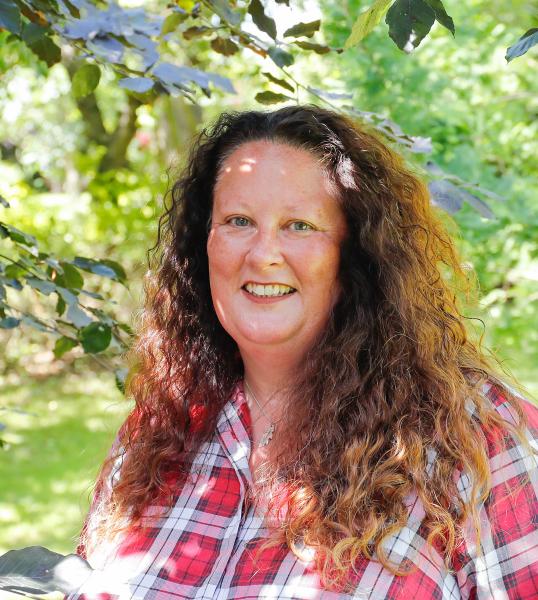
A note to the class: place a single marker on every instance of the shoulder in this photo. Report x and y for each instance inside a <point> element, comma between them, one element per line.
<point>498,399</point>
<point>506,556</point>
<point>517,436</point>
<point>511,444</point>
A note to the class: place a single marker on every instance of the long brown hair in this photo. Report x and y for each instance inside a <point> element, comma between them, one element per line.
<point>386,384</point>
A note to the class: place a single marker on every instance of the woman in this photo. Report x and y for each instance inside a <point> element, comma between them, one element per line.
<point>311,419</point>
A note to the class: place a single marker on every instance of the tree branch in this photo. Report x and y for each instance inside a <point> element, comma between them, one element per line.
<point>115,157</point>
<point>88,107</point>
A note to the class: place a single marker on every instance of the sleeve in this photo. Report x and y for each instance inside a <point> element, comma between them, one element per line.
<point>506,564</point>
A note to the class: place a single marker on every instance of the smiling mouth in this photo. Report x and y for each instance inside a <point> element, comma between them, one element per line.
<point>265,291</point>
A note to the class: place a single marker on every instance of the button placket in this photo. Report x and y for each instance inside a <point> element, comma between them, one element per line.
<point>237,450</point>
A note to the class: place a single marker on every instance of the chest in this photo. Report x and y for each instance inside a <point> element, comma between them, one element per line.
<point>212,546</point>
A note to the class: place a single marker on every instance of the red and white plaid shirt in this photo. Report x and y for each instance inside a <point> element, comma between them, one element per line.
<point>204,547</point>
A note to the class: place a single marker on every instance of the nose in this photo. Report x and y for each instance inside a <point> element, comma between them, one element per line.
<point>265,249</point>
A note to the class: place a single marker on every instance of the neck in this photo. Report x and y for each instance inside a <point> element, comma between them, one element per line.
<point>267,376</point>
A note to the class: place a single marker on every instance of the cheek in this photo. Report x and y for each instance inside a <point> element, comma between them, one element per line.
<point>224,260</point>
<point>218,277</point>
<point>217,251</point>
<point>322,268</point>
<point>325,284</point>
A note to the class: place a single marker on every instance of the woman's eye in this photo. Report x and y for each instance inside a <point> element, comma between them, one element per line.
<point>301,226</point>
<point>239,221</point>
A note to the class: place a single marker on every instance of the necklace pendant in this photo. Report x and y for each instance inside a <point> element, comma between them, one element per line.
<point>267,436</point>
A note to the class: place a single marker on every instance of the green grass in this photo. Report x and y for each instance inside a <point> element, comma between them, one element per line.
<point>53,452</point>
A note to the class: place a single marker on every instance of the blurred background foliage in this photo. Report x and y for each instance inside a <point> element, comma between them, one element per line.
<point>86,175</point>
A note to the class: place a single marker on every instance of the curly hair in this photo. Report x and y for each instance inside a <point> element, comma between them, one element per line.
<point>384,386</point>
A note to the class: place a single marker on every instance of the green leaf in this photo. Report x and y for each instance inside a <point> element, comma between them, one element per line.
<point>197,31</point>
<point>224,46</point>
<point>280,57</point>
<point>420,145</point>
<point>14,271</point>
<point>409,22</point>
<point>60,306</point>
<point>85,80</point>
<point>104,268</point>
<point>187,5</point>
<point>95,337</point>
<point>451,198</point>
<point>67,296</point>
<point>32,32</point>
<point>77,316</point>
<point>18,236</point>
<point>71,277</point>
<point>9,322</point>
<point>317,48</point>
<point>106,48</point>
<point>525,43</point>
<point>306,29</point>
<point>223,10</point>
<point>366,22</point>
<point>261,20</point>
<point>280,82</point>
<point>45,287</point>
<point>121,376</point>
<point>141,85</point>
<point>172,22</point>
<point>45,49</point>
<point>10,17</point>
<point>271,97</point>
<point>172,75</point>
<point>63,345</point>
<point>441,15</point>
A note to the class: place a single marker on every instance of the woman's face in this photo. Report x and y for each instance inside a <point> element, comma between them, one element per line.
<point>274,247</point>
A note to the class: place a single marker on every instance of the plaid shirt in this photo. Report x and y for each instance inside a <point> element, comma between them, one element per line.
<point>204,547</point>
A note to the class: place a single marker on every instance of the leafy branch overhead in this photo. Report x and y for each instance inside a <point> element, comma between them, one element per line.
<point>139,47</point>
<point>525,43</point>
<point>133,43</point>
<point>131,40</point>
<point>410,21</point>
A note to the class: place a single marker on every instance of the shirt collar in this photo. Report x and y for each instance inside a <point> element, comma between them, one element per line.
<point>234,432</point>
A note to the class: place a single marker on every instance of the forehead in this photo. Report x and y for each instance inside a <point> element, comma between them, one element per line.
<point>274,172</point>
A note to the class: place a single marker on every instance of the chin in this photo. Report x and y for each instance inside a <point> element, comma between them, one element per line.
<point>267,336</point>
<point>266,340</point>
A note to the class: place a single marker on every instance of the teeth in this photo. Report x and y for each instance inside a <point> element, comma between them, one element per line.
<point>268,290</point>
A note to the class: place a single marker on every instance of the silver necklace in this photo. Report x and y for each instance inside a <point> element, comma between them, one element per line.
<point>268,433</point>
